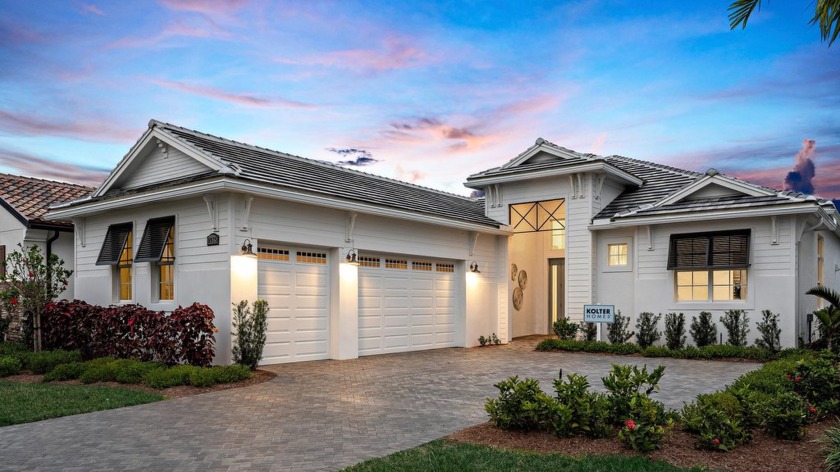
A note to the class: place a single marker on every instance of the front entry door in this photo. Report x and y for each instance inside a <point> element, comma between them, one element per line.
<point>556,291</point>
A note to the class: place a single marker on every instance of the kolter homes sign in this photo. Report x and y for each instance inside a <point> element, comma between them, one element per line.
<point>599,313</point>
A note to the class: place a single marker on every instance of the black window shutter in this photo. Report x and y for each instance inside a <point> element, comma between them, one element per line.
<point>114,244</point>
<point>154,238</point>
<point>718,250</point>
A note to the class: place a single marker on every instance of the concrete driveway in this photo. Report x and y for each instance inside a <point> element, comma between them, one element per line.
<point>320,415</point>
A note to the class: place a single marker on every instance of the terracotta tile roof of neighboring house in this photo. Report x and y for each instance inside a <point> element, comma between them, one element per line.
<point>308,175</point>
<point>30,198</point>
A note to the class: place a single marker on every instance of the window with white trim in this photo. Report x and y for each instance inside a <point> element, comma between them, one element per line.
<point>617,255</point>
<point>158,248</point>
<point>710,266</point>
<point>117,251</point>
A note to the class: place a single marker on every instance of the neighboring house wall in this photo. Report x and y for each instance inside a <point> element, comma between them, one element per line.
<point>771,279</point>
<point>12,231</point>
<point>159,165</point>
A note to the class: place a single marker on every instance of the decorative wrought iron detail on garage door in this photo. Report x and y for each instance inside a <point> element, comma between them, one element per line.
<point>546,215</point>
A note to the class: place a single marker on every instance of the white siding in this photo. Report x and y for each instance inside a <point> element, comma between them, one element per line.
<point>157,166</point>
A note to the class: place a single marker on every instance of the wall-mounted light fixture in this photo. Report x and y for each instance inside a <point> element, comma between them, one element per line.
<point>247,249</point>
<point>474,267</point>
<point>352,257</point>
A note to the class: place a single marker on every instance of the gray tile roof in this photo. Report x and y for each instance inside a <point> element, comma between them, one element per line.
<point>319,177</point>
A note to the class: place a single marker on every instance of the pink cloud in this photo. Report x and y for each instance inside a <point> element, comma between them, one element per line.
<point>92,9</point>
<point>207,7</point>
<point>410,175</point>
<point>173,30</point>
<point>394,54</point>
<point>34,166</point>
<point>31,125</point>
<point>240,99</point>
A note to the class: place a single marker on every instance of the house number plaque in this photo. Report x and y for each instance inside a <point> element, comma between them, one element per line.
<point>213,239</point>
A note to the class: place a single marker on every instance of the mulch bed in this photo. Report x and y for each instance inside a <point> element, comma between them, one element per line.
<point>258,376</point>
<point>764,453</point>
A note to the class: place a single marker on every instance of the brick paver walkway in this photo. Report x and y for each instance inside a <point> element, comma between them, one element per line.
<point>320,415</point>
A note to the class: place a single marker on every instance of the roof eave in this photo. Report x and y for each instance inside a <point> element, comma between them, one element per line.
<point>594,166</point>
<point>695,215</point>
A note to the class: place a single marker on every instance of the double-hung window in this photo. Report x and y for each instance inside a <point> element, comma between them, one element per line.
<point>710,266</point>
<point>116,251</point>
<point>158,248</point>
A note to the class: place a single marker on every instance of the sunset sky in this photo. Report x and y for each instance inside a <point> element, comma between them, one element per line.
<point>427,92</point>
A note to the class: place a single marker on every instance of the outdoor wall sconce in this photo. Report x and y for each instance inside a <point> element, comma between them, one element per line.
<point>352,257</point>
<point>474,267</point>
<point>247,249</point>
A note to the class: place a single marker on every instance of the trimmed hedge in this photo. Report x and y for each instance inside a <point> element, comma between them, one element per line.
<point>714,351</point>
<point>46,361</point>
<point>131,331</point>
<point>9,365</point>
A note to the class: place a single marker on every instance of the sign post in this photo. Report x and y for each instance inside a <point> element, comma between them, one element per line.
<point>599,314</point>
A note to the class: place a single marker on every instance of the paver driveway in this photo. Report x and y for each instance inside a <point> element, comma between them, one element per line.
<point>319,415</point>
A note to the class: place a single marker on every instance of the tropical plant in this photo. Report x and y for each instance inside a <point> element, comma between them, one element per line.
<point>33,280</point>
<point>646,326</point>
<point>737,325</point>
<point>826,14</point>
<point>831,447</point>
<point>703,330</point>
<point>250,326</point>
<point>565,329</point>
<point>618,332</point>
<point>590,331</point>
<point>770,331</point>
<point>522,405</point>
<point>675,330</point>
<point>829,316</point>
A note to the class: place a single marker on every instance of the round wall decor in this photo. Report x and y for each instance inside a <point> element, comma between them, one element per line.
<point>513,271</point>
<point>517,298</point>
<point>522,279</point>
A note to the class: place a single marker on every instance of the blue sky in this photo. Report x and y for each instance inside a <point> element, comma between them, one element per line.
<point>421,91</point>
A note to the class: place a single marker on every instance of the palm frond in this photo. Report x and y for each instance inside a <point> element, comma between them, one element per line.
<point>828,294</point>
<point>827,15</point>
<point>740,11</point>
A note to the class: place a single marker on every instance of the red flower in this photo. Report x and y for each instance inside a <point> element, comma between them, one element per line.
<point>797,379</point>
<point>31,274</point>
<point>788,376</point>
<point>14,301</point>
<point>812,409</point>
<point>716,441</point>
<point>631,425</point>
<point>65,283</point>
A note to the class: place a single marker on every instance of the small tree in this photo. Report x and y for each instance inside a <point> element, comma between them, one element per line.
<point>565,329</point>
<point>737,326</point>
<point>675,330</point>
<point>646,326</point>
<point>770,331</point>
<point>250,327</point>
<point>590,331</point>
<point>703,331</point>
<point>33,281</point>
<point>618,332</point>
<point>829,316</point>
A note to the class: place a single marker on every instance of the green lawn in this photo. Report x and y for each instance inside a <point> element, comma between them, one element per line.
<point>442,455</point>
<point>24,403</point>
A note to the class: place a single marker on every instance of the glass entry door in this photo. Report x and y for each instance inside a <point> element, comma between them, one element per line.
<point>556,291</point>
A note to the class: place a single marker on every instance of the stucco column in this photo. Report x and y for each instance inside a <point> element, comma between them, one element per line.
<point>344,326</point>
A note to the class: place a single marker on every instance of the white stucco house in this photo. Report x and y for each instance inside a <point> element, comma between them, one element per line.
<point>354,264</point>
<point>24,202</point>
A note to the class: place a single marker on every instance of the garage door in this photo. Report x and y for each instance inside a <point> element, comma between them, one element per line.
<point>295,282</point>
<point>405,304</point>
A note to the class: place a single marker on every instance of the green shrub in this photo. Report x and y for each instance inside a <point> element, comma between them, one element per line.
<point>521,405</point>
<point>249,329</point>
<point>207,376</point>
<point>784,416</point>
<point>617,331</point>
<point>12,349</point>
<point>588,411</point>
<point>831,447</point>
<point>590,331</point>
<point>646,327</point>
<point>169,377</point>
<point>565,329</point>
<point>43,362</point>
<point>703,330</point>
<point>817,380</point>
<point>625,382</point>
<point>659,351</point>
<point>65,372</point>
<point>642,429</point>
<point>675,331</point>
<point>737,326</point>
<point>718,420</point>
<point>572,345</point>
<point>130,371</point>
<point>770,331</point>
<point>99,372</point>
<point>9,365</point>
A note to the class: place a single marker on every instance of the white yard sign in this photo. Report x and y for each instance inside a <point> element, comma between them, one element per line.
<point>599,313</point>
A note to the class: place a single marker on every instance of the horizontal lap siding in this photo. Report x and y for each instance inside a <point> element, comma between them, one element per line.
<point>158,166</point>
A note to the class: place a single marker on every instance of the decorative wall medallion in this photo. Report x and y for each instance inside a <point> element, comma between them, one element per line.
<point>517,298</point>
<point>522,279</point>
<point>513,271</point>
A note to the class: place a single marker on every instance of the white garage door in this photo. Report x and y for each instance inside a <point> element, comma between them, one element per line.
<point>295,282</point>
<point>405,304</point>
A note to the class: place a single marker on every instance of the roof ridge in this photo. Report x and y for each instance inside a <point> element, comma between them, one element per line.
<point>50,181</point>
<point>672,169</point>
<point>307,159</point>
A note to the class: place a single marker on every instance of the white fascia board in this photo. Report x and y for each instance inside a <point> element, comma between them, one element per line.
<point>134,152</point>
<point>687,217</point>
<point>741,187</point>
<point>222,184</point>
<point>596,166</point>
